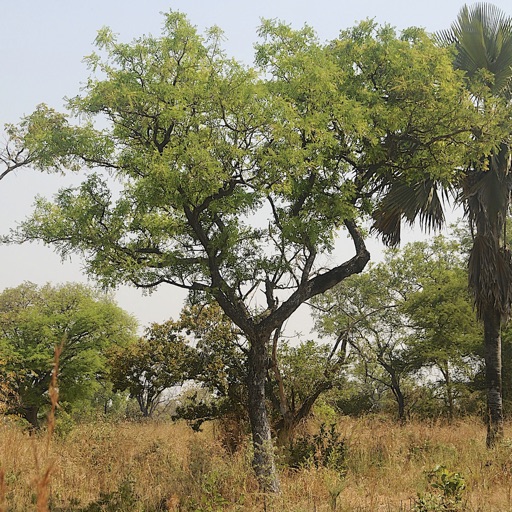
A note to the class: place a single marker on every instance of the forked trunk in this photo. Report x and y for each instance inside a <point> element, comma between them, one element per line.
<point>492,354</point>
<point>263,461</point>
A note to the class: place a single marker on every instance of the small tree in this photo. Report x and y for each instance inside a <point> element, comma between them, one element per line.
<point>298,377</point>
<point>33,320</point>
<point>365,310</point>
<point>156,362</point>
<point>408,313</point>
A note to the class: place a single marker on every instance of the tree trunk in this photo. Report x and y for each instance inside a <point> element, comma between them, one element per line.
<point>285,431</point>
<point>400,402</point>
<point>444,367</point>
<point>492,354</point>
<point>397,391</point>
<point>449,395</point>
<point>143,406</point>
<point>30,413</point>
<point>263,461</point>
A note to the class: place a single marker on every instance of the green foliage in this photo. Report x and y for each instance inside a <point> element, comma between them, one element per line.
<point>218,365</point>
<point>146,368</point>
<point>449,486</point>
<point>34,320</point>
<point>408,314</point>
<point>201,145</point>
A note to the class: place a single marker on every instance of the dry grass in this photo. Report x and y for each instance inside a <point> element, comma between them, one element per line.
<point>166,467</point>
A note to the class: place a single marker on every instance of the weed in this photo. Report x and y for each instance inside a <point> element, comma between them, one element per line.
<point>449,485</point>
<point>324,449</point>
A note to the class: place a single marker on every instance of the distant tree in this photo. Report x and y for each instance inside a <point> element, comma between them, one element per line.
<point>408,313</point>
<point>298,377</point>
<point>7,387</point>
<point>440,313</point>
<point>148,367</point>
<point>234,183</point>
<point>220,365</point>
<point>366,311</point>
<point>33,320</point>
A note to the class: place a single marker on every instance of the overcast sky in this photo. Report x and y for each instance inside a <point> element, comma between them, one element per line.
<point>43,43</point>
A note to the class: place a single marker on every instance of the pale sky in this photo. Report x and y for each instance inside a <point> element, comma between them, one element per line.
<point>43,43</point>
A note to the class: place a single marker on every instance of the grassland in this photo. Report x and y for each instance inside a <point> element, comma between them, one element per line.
<point>167,467</point>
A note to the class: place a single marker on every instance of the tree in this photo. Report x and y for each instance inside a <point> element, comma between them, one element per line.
<point>440,314</point>
<point>408,313</point>
<point>482,39</point>
<point>219,367</point>
<point>158,361</point>
<point>34,320</point>
<point>365,310</point>
<point>299,375</point>
<point>234,182</point>
<point>296,376</point>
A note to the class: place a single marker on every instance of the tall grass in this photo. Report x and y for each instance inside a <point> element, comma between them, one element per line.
<point>155,467</point>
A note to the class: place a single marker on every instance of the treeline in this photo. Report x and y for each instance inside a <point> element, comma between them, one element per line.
<point>400,338</point>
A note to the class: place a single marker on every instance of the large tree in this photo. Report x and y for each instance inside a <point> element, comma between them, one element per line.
<point>233,183</point>
<point>34,320</point>
<point>482,39</point>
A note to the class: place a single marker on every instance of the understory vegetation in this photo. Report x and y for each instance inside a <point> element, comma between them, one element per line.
<point>374,464</point>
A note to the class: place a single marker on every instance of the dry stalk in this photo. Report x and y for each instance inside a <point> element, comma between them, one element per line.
<point>3,491</point>
<point>43,483</point>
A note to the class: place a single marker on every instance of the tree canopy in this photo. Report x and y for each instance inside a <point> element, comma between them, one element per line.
<point>156,362</point>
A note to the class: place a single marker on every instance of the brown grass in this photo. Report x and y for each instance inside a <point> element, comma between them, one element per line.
<point>167,467</point>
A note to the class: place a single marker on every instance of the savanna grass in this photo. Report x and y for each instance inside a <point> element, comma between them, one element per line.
<point>155,467</point>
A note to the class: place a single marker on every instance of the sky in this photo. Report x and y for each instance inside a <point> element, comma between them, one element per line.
<point>43,43</point>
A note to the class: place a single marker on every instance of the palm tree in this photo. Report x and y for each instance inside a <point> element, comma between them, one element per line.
<point>482,38</point>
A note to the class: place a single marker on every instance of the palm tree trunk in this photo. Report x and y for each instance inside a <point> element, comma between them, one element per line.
<point>263,460</point>
<point>492,354</point>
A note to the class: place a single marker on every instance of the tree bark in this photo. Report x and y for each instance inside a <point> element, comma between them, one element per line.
<point>492,354</point>
<point>263,461</point>
<point>400,399</point>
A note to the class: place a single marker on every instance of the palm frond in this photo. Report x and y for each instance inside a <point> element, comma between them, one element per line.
<point>409,202</point>
<point>482,37</point>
